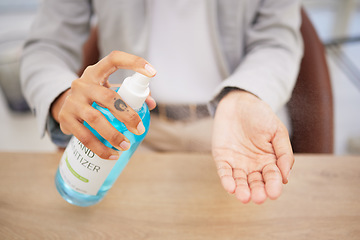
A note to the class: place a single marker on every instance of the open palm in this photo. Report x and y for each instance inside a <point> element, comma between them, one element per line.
<point>251,148</point>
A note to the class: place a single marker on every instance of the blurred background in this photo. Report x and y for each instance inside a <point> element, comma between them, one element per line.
<point>336,21</point>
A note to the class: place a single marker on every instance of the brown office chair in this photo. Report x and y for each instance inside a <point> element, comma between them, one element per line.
<point>311,107</point>
<point>311,104</point>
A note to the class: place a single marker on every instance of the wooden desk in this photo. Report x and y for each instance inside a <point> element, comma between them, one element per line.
<point>179,196</point>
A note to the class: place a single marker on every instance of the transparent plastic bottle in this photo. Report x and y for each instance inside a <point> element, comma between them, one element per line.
<point>83,178</point>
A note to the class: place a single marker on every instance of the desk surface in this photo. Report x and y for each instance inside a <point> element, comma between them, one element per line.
<point>179,196</point>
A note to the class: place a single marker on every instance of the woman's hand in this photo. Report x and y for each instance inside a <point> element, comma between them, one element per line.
<point>251,148</point>
<point>74,106</point>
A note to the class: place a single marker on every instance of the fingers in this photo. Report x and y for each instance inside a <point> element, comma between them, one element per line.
<point>71,124</point>
<point>103,127</point>
<point>150,101</point>
<point>225,173</point>
<point>283,151</point>
<point>257,187</point>
<point>121,111</point>
<point>90,141</point>
<point>265,184</point>
<point>71,121</point>
<point>101,71</point>
<point>93,86</point>
<point>234,180</point>
<point>97,76</point>
<point>272,179</point>
<point>242,191</point>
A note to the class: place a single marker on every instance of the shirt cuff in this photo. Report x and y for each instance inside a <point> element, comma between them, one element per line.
<point>56,135</point>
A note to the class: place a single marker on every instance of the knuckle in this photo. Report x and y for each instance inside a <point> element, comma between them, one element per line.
<point>271,168</point>
<point>241,181</point>
<point>64,129</point>
<point>139,61</point>
<point>133,117</point>
<point>256,183</point>
<point>62,117</point>
<point>70,102</point>
<point>108,95</point>
<point>104,152</point>
<point>113,53</point>
<point>99,149</point>
<point>113,56</point>
<point>84,139</point>
<point>77,84</point>
<point>115,138</point>
<point>91,116</point>
<point>89,70</point>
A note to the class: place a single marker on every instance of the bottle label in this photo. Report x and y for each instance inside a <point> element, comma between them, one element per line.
<point>83,170</point>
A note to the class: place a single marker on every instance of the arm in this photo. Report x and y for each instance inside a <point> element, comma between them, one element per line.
<point>251,146</point>
<point>52,57</point>
<point>62,100</point>
<point>273,50</point>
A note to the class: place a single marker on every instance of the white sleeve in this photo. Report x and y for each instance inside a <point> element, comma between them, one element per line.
<point>53,53</point>
<point>274,48</point>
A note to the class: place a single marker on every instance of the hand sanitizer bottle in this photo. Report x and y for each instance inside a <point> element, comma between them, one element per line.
<point>83,178</point>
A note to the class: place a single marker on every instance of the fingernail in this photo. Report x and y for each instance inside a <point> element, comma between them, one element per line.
<point>114,157</point>
<point>124,145</point>
<point>150,69</point>
<point>140,127</point>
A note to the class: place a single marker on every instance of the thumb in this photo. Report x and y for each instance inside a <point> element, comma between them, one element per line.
<point>283,151</point>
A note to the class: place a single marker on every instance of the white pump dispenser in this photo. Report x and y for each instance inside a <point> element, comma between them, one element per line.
<point>135,90</point>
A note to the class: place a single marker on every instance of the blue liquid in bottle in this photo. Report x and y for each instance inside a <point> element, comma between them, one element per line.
<point>84,200</point>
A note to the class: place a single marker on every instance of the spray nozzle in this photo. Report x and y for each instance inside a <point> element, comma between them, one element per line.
<point>135,90</point>
<point>140,79</point>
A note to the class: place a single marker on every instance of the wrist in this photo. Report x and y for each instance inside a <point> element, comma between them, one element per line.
<point>239,94</point>
<point>58,103</point>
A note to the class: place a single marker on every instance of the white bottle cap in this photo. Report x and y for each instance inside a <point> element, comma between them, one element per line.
<point>134,90</point>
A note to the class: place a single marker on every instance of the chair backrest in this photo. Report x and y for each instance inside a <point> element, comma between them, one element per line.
<point>311,104</point>
<point>310,107</point>
<point>91,54</point>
